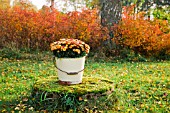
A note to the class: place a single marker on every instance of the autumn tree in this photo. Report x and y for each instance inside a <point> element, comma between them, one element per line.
<point>110,12</point>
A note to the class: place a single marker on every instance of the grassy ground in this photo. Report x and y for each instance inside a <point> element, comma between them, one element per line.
<point>140,87</point>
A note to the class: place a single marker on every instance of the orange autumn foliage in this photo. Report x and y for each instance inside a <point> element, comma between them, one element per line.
<point>36,30</point>
<point>144,36</point>
<point>23,28</point>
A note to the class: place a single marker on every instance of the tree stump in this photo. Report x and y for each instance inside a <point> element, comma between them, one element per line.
<point>95,94</point>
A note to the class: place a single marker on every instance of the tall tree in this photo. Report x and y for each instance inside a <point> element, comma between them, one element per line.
<point>111,12</point>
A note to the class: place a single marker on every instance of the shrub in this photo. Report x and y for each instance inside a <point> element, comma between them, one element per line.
<point>36,30</point>
<point>143,36</point>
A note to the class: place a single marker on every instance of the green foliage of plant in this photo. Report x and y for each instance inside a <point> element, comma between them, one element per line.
<point>162,13</point>
<point>131,56</point>
<point>8,53</point>
<point>13,54</point>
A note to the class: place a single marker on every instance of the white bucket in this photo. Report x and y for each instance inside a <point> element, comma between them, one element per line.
<point>70,70</point>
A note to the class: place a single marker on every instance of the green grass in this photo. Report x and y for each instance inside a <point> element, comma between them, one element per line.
<point>140,87</point>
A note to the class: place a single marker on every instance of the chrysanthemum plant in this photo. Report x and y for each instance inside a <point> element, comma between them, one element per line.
<point>69,48</point>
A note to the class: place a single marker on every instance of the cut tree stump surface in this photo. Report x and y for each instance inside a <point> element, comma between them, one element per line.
<point>93,93</point>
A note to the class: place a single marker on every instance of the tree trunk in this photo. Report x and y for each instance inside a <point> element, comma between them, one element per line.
<point>52,5</point>
<point>111,13</point>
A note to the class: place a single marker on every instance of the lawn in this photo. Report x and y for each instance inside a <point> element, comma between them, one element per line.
<point>140,86</point>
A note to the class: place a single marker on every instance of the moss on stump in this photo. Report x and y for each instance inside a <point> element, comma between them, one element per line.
<point>92,94</point>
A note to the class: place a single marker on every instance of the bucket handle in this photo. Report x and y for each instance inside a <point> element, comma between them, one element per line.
<point>68,73</point>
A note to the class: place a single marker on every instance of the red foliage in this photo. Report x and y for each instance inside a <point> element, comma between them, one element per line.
<point>36,30</point>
